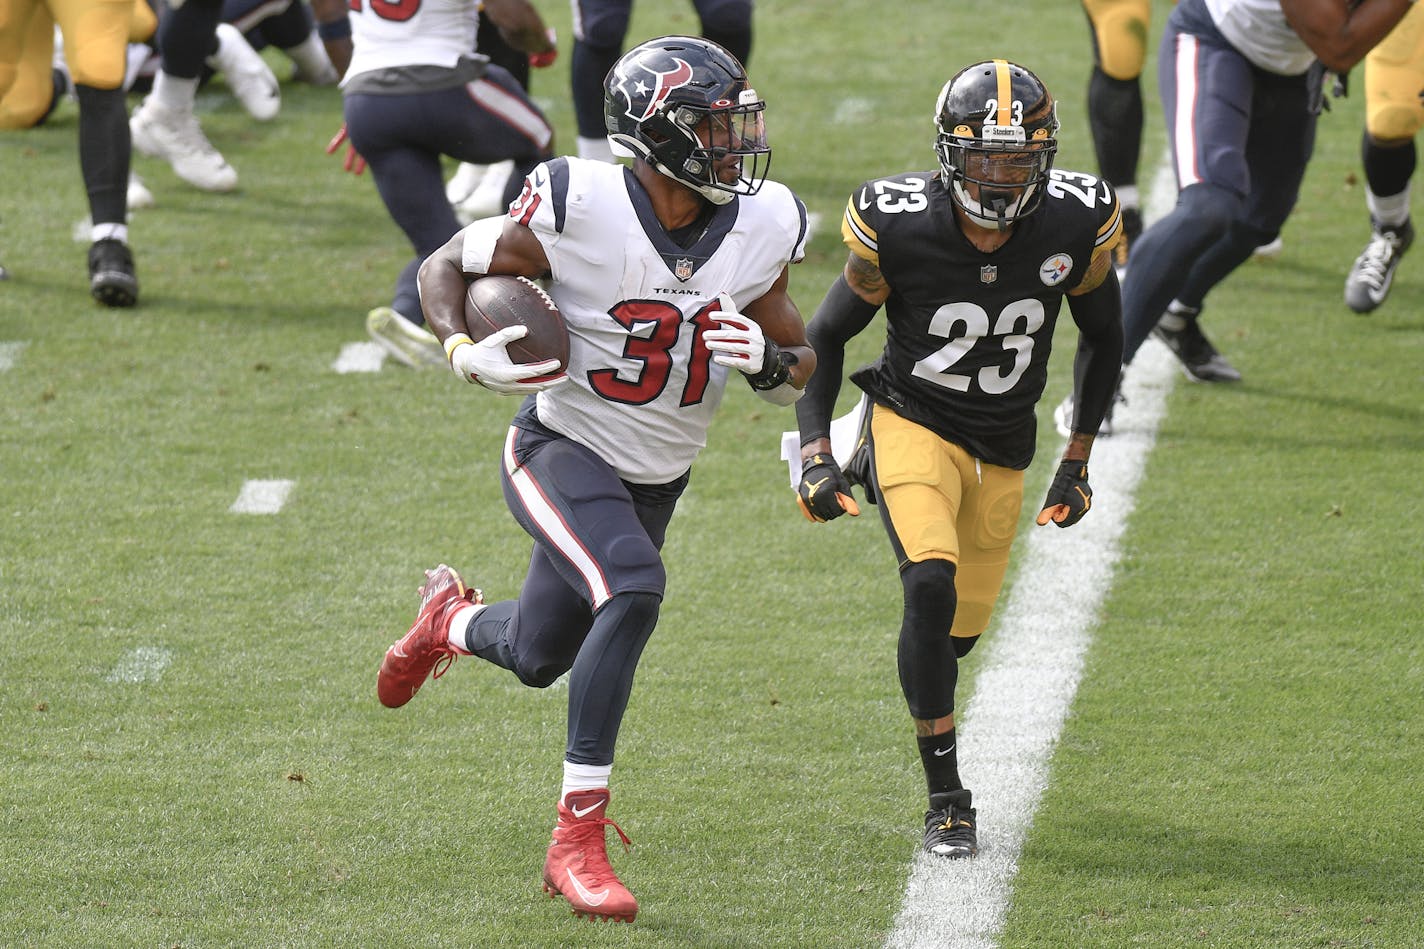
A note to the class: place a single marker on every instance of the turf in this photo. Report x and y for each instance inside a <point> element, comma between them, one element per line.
<point>190,747</point>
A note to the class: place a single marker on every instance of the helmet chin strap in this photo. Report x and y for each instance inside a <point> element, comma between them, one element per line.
<point>998,202</point>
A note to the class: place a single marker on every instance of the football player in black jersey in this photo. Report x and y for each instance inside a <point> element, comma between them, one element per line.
<point>1119,29</point>
<point>971,263</point>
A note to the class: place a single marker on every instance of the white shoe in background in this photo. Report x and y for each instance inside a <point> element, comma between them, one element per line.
<point>246,73</point>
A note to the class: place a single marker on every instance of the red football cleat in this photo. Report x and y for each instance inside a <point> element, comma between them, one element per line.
<point>426,647</point>
<point>577,866</point>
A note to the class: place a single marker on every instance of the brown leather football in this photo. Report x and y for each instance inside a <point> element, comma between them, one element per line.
<point>497,302</point>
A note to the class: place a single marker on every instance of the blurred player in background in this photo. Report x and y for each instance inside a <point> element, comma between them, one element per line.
<point>669,275</point>
<point>96,37</point>
<point>415,90</point>
<point>477,191</point>
<point>1394,113</point>
<point>1119,29</point>
<point>972,263</point>
<point>599,29</point>
<point>1241,85</point>
<point>165,125</point>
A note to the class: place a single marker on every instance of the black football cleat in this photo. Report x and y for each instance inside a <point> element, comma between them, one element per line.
<point>111,273</point>
<point>1181,333</point>
<point>949,826</point>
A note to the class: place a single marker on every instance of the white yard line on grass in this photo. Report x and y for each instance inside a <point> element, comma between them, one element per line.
<point>359,357</point>
<point>144,664</point>
<point>262,497</point>
<point>10,354</point>
<point>1033,659</point>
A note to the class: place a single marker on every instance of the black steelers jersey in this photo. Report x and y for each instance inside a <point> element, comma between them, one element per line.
<point>968,333</point>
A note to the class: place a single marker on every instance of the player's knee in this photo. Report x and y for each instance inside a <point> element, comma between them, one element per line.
<point>962,645</point>
<point>929,589</point>
<point>1395,123</point>
<point>99,66</point>
<point>1209,208</point>
<point>635,564</point>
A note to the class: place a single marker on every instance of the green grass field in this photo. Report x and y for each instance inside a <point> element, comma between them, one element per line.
<point>191,752</point>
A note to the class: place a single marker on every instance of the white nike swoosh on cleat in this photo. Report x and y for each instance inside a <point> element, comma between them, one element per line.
<point>580,812</point>
<point>398,652</point>
<point>585,894</point>
<point>940,753</point>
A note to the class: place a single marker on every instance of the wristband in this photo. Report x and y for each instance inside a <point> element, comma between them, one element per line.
<point>335,30</point>
<point>454,343</point>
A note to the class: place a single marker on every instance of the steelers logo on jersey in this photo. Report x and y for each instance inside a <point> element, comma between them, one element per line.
<point>1055,269</point>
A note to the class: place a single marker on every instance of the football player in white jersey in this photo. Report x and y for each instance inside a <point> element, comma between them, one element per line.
<point>414,90</point>
<point>669,275</point>
<point>1240,82</point>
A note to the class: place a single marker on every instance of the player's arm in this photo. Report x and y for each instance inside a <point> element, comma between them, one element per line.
<point>1096,306</point>
<point>334,28</point>
<point>1339,32</point>
<point>496,245</point>
<point>780,319</point>
<point>849,306</point>
<point>522,27</point>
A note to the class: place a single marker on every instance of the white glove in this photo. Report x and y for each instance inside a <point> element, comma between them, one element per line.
<point>487,362</point>
<point>738,343</point>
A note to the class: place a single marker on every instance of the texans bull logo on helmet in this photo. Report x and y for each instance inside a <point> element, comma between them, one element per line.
<point>663,83</point>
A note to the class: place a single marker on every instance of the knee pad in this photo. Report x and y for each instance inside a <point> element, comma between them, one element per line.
<point>929,592</point>
<point>1209,208</point>
<point>1119,35</point>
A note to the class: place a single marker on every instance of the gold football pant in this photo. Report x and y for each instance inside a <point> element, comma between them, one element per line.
<point>939,502</point>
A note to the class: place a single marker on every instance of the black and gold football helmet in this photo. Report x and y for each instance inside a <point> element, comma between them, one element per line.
<point>683,103</point>
<point>997,126</point>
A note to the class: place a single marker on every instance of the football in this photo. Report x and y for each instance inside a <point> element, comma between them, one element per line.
<point>497,302</point>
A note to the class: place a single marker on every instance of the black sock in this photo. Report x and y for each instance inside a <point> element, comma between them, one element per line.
<point>940,757</point>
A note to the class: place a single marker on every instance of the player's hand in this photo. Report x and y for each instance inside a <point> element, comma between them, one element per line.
<point>737,342</point>
<point>824,493</point>
<point>353,163</point>
<point>487,363</point>
<point>1069,496</point>
<point>546,58</point>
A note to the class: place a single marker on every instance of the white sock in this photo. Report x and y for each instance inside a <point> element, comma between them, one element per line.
<point>1177,316</point>
<point>1392,211</point>
<point>1127,196</point>
<point>103,232</point>
<point>595,148</point>
<point>460,622</point>
<point>310,57</point>
<point>584,777</point>
<point>174,94</point>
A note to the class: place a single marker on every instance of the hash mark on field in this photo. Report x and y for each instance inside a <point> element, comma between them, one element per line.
<point>1032,663</point>
<point>144,664</point>
<point>359,357</point>
<point>262,497</point>
<point>10,354</point>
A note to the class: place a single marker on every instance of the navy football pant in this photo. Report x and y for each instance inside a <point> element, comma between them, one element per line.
<point>403,136</point>
<point>595,583</point>
<point>1241,138</point>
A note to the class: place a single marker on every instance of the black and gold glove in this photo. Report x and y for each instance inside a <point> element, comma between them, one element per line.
<point>824,492</point>
<point>1069,496</point>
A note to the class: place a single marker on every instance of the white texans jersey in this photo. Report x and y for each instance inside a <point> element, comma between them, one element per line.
<point>390,33</point>
<point>643,387</point>
<point>1260,31</point>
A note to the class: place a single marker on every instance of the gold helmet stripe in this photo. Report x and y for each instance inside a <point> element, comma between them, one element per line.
<point>1006,93</point>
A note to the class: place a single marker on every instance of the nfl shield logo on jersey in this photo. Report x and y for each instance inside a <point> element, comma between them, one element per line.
<point>988,274</point>
<point>683,268</point>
